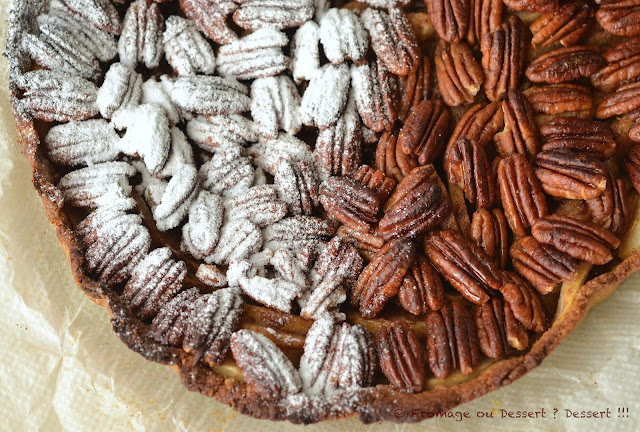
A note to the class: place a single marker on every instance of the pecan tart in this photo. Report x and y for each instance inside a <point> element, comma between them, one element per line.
<point>314,209</point>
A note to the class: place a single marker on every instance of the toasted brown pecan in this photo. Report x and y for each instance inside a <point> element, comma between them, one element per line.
<point>632,166</point>
<point>422,288</point>
<point>351,202</point>
<point>498,329</point>
<point>424,134</point>
<point>450,18</point>
<point>417,177</point>
<point>542,265</point>
<point>520,134</point>
<point>463,264</point>
<point>619,17</point>
<point>539,6</point>
<point>571,175</point>
<point>489,231</point>
<point>580,135</point>
<point>580,239</point>
<point>391,160</point>
<point>560,98</point>
<point>610,209</point>
<point>382,277</point>
<point>623,66</point>
<point>469,168</point>
<point>622,51</point>
<point>486,18</point>
<point>401,358</point>
<point>415,87</point>
<point>503,58</point>
<point>210,18</point>
<point>565,64</point>
<point>523,200</point>
<point>625,100</point>
<point>452,340</point>
<point>634,133</point>
<point>459,75</point>
<point>480,123</point>
<point>367,244</point>
<point>566,25</point>
<point>524,302</point>
<point>376,180</point>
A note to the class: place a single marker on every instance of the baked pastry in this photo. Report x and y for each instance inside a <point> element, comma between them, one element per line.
<point>280,201</point>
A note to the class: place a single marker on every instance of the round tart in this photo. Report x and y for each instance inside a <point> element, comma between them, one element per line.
<point>314,210</point>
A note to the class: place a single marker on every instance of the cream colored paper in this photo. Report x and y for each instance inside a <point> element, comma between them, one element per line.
<point>62,367</point>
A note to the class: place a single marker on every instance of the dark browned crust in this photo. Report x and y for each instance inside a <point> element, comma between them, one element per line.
<point>372,404</point>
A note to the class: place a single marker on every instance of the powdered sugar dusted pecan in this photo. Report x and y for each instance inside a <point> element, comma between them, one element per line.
<point>186,50</point>
<point>170,323</point>
<point>276,293</point>
<point>100,13</point>
<point>624,100</point>
<point>459,75</point>
<point>390,159</point>
<point>392,39</point>
<point>463,264</point>
<point>520,134</point>
<point>425,131</point>
<point>450,18</point>
<point>264,366</point>
<point>580,239</point>
<point>566,25</point>
<point>498,330</point>
<point>422,288</point>
<point>571,175</point>
<point>632,166</point>
<point>452,340</point>
<point>259,204</point>
<point>210,95</point>
<point>367,244</point>
<point>486,18</point>
<point>523,200</point>
<point>610,209</point>
<point>400,354</point>
<point>415,88</point>
<point>480,123</point>
<point>619,17</point>
<point>275,105</point>
<point>141,37</point>
<point>305,52</point>
<point>201,233</point>
<point>211,18</point>
<point>100,184</point>
<point>580,135</point>
<point>297,185</point>
<point>524,302</point>
<point>121,89</point>
<point>214,132</point>
<point>539,6</point>
<point>376,94</point>
<point>503,56</point>
<point>565,64</point>
<point>468,167</point>
<point>560,98</point>
<point>255,14</point>
<point>269,153</point>
<point>351,202</point>
<point>489,231</point>
<point>343,36</point>
<point>623,66</point>
<point>82,143</point>
<point>238,239</point>
<point>227,172</point>
<point>376,180</point>
<point>297,232</point>
<point>326,96</point>
<point>382,277</point>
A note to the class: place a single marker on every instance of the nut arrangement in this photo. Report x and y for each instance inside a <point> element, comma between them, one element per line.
<point>402,186</point>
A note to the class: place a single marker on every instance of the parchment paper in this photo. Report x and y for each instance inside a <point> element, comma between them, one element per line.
<point>62,367</point>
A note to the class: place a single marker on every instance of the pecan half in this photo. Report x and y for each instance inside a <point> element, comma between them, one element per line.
<point>463,264</point>
<point>560,98</point>
<point>486,18</point>
<point>367,244</point>
<point>469,168</point>
<point>452,340</point>
<point>565,64</point>
<point>634,133</point>
<point>350,202</point>
<point>391,160</point>
<point>610,209</point>
<point>400,354</point>
<point>376,180</point>
<point>255,14</point>
<point>520,134</point>
<point>424,134</point>
<point>376,94</point>
<point>459,75</point>
<point>623,67</point>
<point>632,166</point>
<point>489,231</point>
<point>503,58</point>
<point>297,185</point>
<point>415,87</point>
<point>580,239</point>
<point>619,17</point>
<point>571,175</point>
<point>580,135</point>
<point>480,123</point>
<point>498,329</point>
<point>422,288</point>
<point>450,18</point>
<point>382,277</point>
<point>524,302</point>
<point>523,200</point>
<point>623,101</point>
<point>566,25</point>
<point>539,6</point>
<point>211,18</point>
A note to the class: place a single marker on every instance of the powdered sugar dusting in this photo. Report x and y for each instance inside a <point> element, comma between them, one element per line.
<point>275,105</point>
<point>82,143</point>
<point>326,96</point>
<point>186,50</point>
<point>343,36</point>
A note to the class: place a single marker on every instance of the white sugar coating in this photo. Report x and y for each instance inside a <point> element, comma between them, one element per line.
<point>238,239</point>
<point>214,132</point>
<point>101,13</point>
<point>259,204</point>
<point>259,39</point>
<point>326,96</point>
<point>102,44</point>
<point>97,184</point>
<point>297,185</point>
<point>268,153</point>
<point>275,105</point>
<point>159,92</point>
<point>275,293</point>
<point>343,36</point>
<point>263,362</point>
<point>201,233</point>
<point>228,172</point>
<point>318,357</point>
<point>239,269</point>
<point>386,4</point>
<point>82,143</point>
<point>187,51</point>
<point>326,296</point>
<point>211,18</point>
<point>148,134</point>
<point>356,361</point>
<point>177,197</point>
<point>305,52</point>
<point>320,8</point>
<point>121,89</point>
<point>56,96</point>
<point>289,268</point>
<point>279,14</point>
<point>151,187</point>
<point>260,260</point>
<point>260,177</point>
<point>211,275</point>
<point>181,154</point>
<point>168,325</point>
<point>210,95</point>
<point>368,92</point>
<point>369,136</point>
<point>141,37</point>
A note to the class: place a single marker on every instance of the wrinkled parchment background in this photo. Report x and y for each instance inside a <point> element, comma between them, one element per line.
<point>62,368</point>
